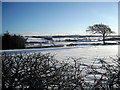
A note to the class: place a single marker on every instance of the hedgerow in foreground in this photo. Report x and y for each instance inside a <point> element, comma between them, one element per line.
<point>37,71</point>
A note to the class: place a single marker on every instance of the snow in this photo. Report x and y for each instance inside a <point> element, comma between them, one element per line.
<point>35,39</point>
<point>66,43</point>
<point>88,53</point>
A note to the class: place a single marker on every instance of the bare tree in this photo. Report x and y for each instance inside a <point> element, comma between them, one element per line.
<point>100,29</point>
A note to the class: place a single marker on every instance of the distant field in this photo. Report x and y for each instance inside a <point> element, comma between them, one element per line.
<point>70,40</point>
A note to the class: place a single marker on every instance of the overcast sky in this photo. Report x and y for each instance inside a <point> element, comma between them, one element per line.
<point>57,17</point>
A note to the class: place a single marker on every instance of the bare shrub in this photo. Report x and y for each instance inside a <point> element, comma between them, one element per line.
<point>37,71</point>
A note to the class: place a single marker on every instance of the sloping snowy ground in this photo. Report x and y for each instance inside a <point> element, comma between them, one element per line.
<point>88,53</point>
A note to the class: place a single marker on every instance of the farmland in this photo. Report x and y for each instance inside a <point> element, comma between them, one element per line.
<point>76,64</point>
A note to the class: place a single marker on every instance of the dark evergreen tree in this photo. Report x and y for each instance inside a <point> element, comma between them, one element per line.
<point>13,41</point>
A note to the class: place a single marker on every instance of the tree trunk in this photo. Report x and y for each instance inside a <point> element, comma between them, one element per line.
<point>103,39</point>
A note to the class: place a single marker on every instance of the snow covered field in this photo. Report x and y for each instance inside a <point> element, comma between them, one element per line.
<point>88,53</point>
<point>67,43</point>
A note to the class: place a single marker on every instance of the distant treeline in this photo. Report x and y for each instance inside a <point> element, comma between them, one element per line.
<point>13,41</point>
<point>64,36</point>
